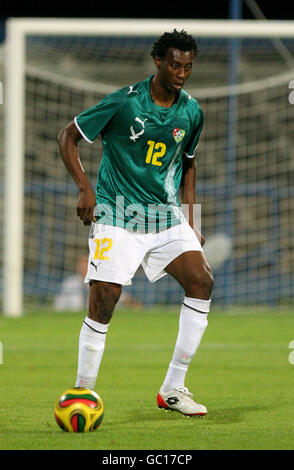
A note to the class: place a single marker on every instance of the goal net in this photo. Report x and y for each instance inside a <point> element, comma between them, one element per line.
<point>245,172</point>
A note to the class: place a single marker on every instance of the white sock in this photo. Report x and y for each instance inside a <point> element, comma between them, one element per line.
<point>192,324</point>
<point>91,347</point>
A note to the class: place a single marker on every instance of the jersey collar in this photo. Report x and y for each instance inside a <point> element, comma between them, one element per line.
<point>151,107</point>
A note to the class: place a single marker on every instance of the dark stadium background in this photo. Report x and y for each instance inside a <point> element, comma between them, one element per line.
<point>135,9</point>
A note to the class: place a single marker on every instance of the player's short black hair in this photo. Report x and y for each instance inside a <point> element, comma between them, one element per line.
<point>178,40</point>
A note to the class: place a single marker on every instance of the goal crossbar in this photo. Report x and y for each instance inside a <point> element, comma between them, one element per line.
<point>152,27</point>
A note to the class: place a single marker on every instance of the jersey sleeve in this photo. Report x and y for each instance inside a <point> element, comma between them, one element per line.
<point>92,121</point>
<point>194,139</point>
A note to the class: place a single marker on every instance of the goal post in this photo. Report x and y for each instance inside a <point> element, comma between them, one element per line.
<point>14,96</point>
<point>14,92</point>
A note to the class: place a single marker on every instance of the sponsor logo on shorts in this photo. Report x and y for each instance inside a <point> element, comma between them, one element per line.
<point>95,265</point>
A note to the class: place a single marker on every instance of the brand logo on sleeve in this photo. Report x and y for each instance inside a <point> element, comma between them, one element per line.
<point>178,134</point>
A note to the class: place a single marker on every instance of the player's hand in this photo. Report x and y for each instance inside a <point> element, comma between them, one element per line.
<point>86,205</point>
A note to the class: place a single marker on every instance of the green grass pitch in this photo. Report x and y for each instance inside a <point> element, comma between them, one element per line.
<point>241,372</point>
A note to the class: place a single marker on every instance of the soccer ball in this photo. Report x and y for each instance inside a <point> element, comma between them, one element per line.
<point>79,410</point>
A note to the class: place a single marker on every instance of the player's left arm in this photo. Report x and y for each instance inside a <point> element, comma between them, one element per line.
<point>188,190</point>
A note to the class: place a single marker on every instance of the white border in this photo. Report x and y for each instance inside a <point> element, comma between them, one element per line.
<point>16,31</point>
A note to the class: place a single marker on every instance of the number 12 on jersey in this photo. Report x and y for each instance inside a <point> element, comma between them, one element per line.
<point>155,150</point>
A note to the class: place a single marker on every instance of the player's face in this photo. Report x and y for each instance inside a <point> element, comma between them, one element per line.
<point>174,69</point>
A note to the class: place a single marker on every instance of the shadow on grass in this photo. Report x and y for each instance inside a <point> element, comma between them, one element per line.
<point>151,419</point>
<point>214,417</point>
<point>231,415</point>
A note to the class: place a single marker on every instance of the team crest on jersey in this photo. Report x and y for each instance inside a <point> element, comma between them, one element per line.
<point>178,134</point>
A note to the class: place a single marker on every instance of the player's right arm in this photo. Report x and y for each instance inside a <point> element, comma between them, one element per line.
<point>68,139</point>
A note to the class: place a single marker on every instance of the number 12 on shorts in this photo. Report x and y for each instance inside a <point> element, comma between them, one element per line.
<point>102,245</point>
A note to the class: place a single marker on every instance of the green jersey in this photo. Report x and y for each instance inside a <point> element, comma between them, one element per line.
<point>143,146</point>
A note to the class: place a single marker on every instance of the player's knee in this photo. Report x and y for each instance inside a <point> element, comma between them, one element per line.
<point>209,281</point>
<point>201,284</point>
<point>205,283</point>
<point>103,299</point>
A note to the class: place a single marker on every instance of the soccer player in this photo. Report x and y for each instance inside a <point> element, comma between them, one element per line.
<point>149,131</point>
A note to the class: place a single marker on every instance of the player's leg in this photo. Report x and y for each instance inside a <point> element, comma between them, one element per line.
<point>192,271</point>
<point>102,301</point>
<point>114,257</point>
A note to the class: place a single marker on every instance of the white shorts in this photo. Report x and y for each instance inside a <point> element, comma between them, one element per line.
<point>115,254</point>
